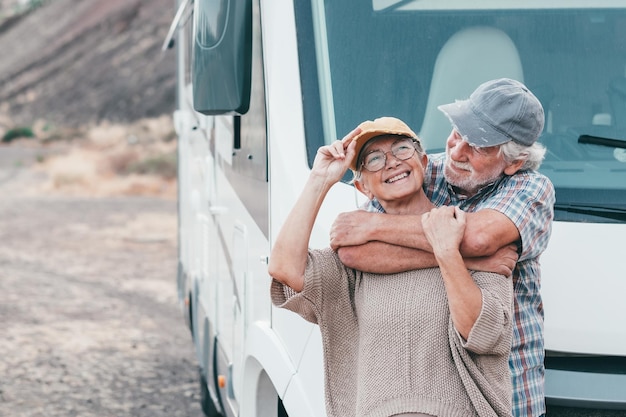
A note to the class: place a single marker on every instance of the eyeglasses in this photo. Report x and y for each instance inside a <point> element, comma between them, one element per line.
<point>478,150</point>
<point>484,150</point>
<point>401,149</point>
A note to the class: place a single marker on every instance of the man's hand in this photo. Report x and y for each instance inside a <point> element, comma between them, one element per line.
<point>502,262</point>
<point>350,229</point>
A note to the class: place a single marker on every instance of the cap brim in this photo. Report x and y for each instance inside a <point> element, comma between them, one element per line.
<point>471,128</point>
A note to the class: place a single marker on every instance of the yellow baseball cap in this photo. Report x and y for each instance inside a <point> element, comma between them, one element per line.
<point>379,127</point>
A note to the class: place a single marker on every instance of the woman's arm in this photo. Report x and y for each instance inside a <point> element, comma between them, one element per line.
<point>289,254</point>
<point>444,228</point>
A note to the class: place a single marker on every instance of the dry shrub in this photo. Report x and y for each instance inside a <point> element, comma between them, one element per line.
<point>120,162</point>
<point>139,159</point>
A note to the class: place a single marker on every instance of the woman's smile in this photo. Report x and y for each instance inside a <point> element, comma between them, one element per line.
<point>398,177</point>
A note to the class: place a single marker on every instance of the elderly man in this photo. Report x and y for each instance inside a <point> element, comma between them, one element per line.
<point>488,170</point>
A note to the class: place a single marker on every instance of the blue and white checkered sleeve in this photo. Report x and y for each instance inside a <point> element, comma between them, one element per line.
<point>527,199</point>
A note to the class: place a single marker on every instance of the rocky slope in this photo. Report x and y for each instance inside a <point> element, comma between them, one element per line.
<point>79,62</point>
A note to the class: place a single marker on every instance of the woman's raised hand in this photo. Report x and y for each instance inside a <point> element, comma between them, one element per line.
<point>333,160</point>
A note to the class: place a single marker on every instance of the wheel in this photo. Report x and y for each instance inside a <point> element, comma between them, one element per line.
<point>281,409</point>
<point>206,401</point>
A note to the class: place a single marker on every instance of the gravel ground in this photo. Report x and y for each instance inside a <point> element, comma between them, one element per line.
<point>89,320</point>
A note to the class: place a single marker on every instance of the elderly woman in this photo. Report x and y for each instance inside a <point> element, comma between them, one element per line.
<point>430,342</point>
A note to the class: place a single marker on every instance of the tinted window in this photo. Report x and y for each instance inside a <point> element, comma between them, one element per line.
<point>222,53</point>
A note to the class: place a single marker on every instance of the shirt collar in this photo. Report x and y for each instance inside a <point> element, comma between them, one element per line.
<point>459,194</point>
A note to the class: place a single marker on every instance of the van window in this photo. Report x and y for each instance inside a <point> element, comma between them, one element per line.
<point>222,51</point>
<point>404,58</point>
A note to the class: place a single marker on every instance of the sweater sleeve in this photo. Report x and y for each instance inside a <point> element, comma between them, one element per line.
<point>326,282</point>
<point>492,332</point>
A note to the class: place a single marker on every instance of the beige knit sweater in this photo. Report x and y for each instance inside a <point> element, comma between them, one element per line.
<point>390,346</point>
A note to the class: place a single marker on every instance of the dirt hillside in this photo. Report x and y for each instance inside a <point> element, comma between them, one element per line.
<point>79,62</point>
<point>89,80</point>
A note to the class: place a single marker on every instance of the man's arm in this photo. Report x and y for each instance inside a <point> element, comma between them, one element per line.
<point>384,258</point>
<point>486,231</point>
<point>384,243</point>
<point>360,227</point>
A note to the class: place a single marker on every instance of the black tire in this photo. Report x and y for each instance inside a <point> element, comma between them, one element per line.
<point>281,409</point>
<point>208,405</point>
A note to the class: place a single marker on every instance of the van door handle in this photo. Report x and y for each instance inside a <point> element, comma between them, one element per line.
<point>217,209</point>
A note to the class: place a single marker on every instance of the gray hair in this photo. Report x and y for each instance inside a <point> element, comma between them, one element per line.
<point>531,155</point>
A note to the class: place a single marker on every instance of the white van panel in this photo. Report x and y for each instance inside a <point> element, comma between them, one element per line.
<point>579,282</point>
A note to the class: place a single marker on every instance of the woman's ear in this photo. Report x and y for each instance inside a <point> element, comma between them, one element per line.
<point>424,160</point>
<point>362,187</point>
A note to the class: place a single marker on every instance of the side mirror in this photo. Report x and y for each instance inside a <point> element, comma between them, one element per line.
<point>222,56</point>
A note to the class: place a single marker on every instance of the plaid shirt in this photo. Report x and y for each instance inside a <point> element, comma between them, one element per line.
<point>527,198</point>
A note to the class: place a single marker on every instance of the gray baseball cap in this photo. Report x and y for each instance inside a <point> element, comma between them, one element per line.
<point>496,112</point>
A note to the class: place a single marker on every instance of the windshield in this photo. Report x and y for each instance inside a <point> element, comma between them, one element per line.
<point>361,60</point>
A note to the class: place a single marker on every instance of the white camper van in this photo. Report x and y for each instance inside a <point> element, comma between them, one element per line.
<point>263,83</point>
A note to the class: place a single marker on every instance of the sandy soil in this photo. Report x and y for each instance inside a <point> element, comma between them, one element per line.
<point>88,309</point>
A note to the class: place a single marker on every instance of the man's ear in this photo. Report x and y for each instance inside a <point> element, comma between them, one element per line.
<point>513,167</point>
<point>363,189</point>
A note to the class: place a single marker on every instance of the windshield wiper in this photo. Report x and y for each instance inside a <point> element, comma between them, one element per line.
<point>393,7</point>
<point>597,140</point>
<point>616,213</point>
